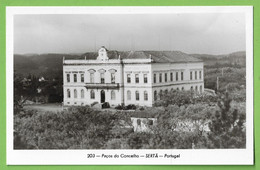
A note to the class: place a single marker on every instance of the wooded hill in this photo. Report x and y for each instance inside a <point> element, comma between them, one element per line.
<point>50,65</point>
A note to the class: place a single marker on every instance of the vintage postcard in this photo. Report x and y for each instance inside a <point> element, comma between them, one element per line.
<point>129,85</point>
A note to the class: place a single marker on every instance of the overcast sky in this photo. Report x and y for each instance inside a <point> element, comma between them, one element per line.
<point>191,33</point>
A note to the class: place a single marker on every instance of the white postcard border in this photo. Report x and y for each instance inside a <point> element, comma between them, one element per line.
<point>79,157</point>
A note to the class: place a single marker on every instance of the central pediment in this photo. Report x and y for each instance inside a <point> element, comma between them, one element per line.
<point>102,54</point>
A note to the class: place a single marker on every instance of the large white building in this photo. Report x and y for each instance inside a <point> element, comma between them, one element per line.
<point>133,77</point>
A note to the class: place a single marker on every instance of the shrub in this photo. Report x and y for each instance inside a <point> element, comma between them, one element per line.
<point>94,103</point>
<point>105,105</point>
<point>131,107</point>
<point>119,107</point>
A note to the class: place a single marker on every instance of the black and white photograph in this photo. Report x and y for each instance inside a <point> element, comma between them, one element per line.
<point>152,85</point>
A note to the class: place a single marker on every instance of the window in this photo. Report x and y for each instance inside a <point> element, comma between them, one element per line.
<point>82,78</point>
<point>195,75</point>
<point>92,94</point>
<point>128,78</point>
<point>75,94</point>
<point>82,94</point>
<point>178,89</point>
<point>160,94</point>
<point>145,95</point>
<point>154,78</point>
<point>113,79</point>
<point>177,76</point>
<point>182,88</point>
<point>128,95</point>
<point>166,92</point>
<point>136,78</point>
<point>75,78</point>
<point>181,75</point>
<point>137,95</point>
<point>91,77</point>
<point>191,88</point>
<point>102,78</point>
<point>68,77</point>
<point>200,74</point>
<point>155,95</point>
<point>196,88</point>
<point>138,122</point>
<point>68,93</point>
<point>200,89</point>
<point>160,77</point>
<point>150,122</point>
<point>165,77</point>
<point>191,75</point>
<point>171,75</point>
<point>113,95</point>
<point>145,78</point>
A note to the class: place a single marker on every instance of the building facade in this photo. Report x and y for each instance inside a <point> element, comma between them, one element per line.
<point>134,77</point>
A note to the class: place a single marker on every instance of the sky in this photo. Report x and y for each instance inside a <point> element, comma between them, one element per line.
<point>211,33</point>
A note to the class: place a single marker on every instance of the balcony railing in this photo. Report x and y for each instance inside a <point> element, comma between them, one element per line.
<point>102,85</point>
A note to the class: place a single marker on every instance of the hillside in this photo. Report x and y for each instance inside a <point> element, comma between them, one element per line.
<point>50,65</point>
<point>238,58</point>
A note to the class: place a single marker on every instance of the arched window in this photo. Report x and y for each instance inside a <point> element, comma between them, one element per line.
<point>92,94</point>
<point>166,92</point>
<point>68,78</point>
<point>128,95</point>
<point>68,93</point>
<point>178,89</point>
<point>136,78</point>
<point>145,78</point>
<point>102,77</point>
<point>196,88</point>
<point>113,78</point>
<point>145,95</point>
<point>160,94</point>
<point>75,78</point>
<point>155,95</point>
<point>191,88</point>
<point>82,93</point>
<point>113,95</point>
<point>92,78</point>
<point>75,93</point>
<point>200,89</point>
<point>137,95</point>
<point>182,88</point>
<point>138,121</point>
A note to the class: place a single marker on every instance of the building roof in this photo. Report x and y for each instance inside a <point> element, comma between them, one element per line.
<point>157,56</point>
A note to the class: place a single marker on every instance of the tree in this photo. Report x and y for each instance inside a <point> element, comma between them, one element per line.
<point>77,128</point>
<point>24,89</point>
<point>227,126</point>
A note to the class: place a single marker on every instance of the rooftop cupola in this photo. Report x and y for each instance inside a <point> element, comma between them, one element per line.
<point>102,54</point>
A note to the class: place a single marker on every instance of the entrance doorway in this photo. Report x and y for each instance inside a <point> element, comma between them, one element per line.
<point>102,96</point>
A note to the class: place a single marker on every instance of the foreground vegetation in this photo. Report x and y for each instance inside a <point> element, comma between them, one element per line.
<point>178,127</point>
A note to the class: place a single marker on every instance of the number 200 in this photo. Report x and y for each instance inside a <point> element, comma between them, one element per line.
<point>90,155</point>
